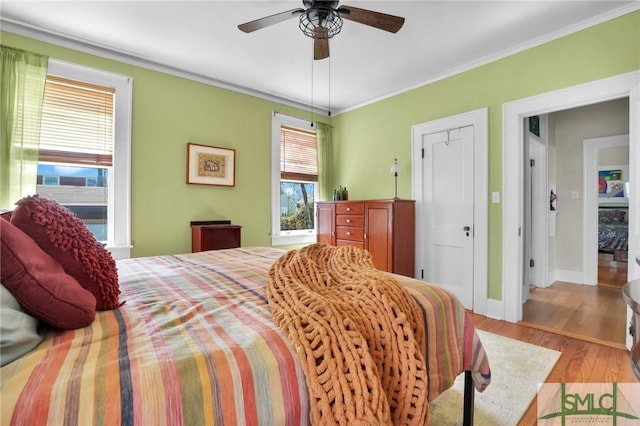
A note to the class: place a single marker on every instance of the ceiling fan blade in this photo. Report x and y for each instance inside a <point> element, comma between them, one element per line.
<point>258,24</point>
<point>378,20</point>
<point>321,44</point>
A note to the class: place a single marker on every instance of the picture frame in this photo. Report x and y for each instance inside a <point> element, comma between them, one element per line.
<point>534,125</point>
<point>611,180</point>
<point>210,165</point>
<point>613,185</point>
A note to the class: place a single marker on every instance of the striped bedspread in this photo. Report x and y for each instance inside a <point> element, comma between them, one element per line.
<point>195,344</point>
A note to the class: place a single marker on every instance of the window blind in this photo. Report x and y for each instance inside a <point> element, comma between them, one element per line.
<point>77,122</point>
<point>298,155</point>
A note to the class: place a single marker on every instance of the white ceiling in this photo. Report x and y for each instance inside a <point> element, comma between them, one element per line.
<point>200,40</point>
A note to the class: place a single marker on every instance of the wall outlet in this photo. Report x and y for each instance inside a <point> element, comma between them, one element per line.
<point>495,197</point>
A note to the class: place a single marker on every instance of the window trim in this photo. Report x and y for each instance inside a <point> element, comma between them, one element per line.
<point>277,238</point>
<point>119,203</point>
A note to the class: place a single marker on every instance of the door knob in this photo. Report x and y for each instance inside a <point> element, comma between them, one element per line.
<point>467,229</point>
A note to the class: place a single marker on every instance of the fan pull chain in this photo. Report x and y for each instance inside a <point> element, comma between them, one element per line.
<point>329,106</point>
<point>312,73</point>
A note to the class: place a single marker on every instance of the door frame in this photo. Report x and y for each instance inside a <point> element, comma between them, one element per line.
<point>590,154</point>
<point>624,85</point>
<point>479,120</point>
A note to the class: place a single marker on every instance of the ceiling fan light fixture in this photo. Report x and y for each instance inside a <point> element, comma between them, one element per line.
<point>320,17</point>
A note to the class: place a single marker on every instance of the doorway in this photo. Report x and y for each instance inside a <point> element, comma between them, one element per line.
<point>600,154</point>
<point>474,126</point>
<point>566,302</point>
<point>623,86</point>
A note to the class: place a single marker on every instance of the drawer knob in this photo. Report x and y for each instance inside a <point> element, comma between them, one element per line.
<point>348,220</point>
<point>348,233</point>
<point>348,209</point>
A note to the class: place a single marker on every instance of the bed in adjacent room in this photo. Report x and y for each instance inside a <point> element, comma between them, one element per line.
<point>191,340</point>
<point>613,229</point>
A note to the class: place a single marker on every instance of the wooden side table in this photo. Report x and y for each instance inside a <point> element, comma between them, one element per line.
<point>214,235</point>
<point>631,295</point>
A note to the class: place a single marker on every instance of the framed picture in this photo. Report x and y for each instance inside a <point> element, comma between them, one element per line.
<point>611,180</point>
<point>211,165</point>
<point>534,125</point>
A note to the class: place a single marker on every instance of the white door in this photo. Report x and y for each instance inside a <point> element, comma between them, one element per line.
<point>535,231</point>
<point>536,206</point>
<point>448,211</point>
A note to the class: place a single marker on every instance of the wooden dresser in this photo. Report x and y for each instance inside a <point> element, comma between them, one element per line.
<point>214,235</point>
<point>384,227</point>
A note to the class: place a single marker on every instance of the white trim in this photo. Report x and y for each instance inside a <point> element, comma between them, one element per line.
<point>494,309</point>
<point>590,155</point>
<point>479,120</point>
<point>132,58</point>
<point>295,237</point>
<point>568,276</point>
<point>512,142</point>
<point>119,204</point>
<point>578,26</point>
<point>110,52</point>
<point>633,269</point>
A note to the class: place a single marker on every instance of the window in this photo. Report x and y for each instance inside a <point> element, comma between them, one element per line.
<point>48,180</point>
<point>84,154</point>
<point>294,187</point>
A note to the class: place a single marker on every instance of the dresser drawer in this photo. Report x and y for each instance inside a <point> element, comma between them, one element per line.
<point>356,221</point>
<point>357,244</point>
<point>349,233</point>
<point>349,208</point>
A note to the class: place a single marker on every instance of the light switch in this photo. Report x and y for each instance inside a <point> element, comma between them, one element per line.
<point>495,197</point>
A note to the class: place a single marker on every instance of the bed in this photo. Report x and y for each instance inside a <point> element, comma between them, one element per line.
<point>613,229</point>
<point>195,343</point>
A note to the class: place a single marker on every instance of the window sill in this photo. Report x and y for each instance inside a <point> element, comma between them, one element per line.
<point>281,240</point>
<point>119,252</point>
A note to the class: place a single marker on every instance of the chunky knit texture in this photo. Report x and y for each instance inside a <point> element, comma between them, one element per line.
<point>358,335</point>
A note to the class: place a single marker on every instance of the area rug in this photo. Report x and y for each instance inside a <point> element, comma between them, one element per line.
<point>516,370</point>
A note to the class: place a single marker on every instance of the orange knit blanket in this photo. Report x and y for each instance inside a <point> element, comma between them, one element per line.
<point>358,335</point>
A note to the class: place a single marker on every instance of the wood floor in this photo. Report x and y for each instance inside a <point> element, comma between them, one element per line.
<point>595,313</point>
<point>581,361</point>
<point>611,272</point>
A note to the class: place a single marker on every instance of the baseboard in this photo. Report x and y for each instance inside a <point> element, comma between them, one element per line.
<point>495,309</point>
<point>576,277</point>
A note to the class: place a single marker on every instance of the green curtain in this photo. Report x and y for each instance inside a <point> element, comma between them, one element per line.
<point>324,138</point>
<point>22,79</point>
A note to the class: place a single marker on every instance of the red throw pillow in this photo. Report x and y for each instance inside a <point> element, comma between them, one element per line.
<point>6,214</point>
<point>40,284</point>
<point>61,234</point>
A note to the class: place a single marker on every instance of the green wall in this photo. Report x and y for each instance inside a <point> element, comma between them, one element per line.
<point>169,111</point>
<point>369,138</point>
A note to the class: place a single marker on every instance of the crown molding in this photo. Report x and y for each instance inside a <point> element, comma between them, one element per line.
<point>578,26</point>
<point>108,52</point>
<point>131,58</point>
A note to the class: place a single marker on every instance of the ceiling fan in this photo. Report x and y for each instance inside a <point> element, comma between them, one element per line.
<point>321,20</point>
